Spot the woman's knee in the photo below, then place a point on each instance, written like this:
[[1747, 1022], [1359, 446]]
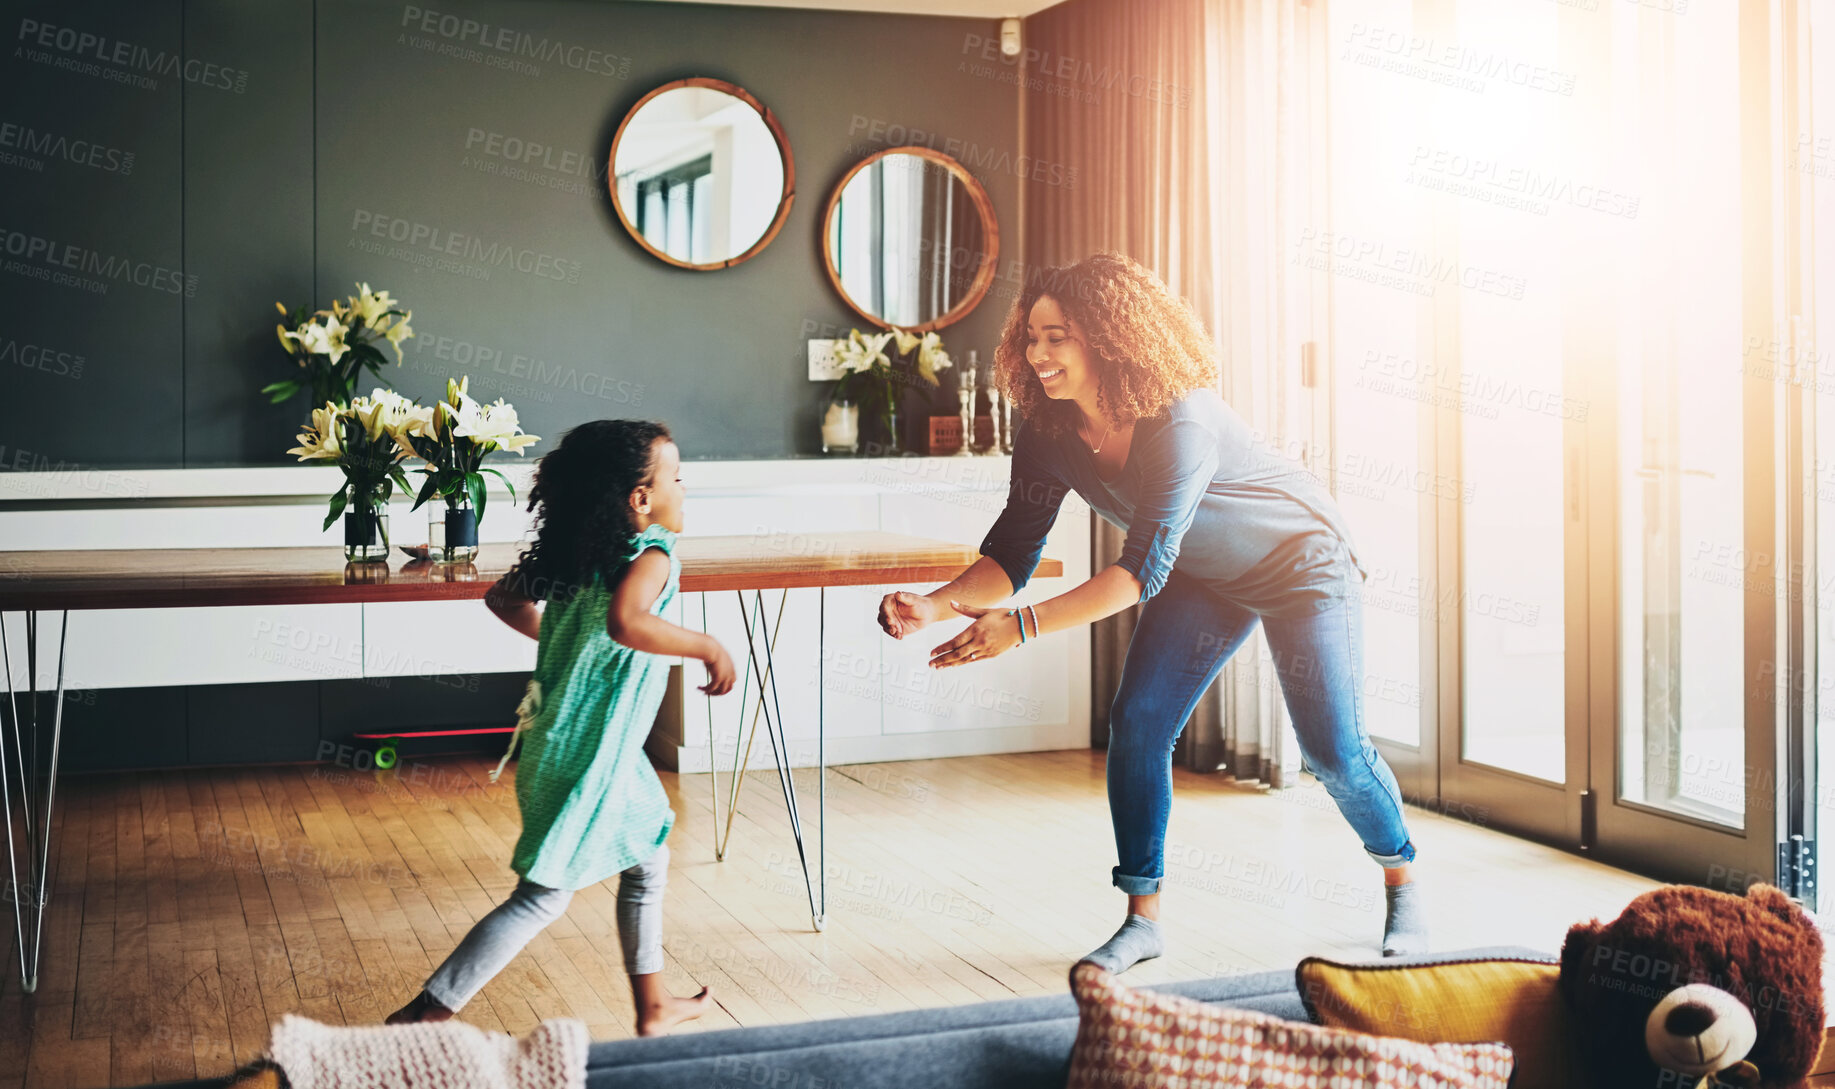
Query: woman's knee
[[1141, 724], [1343, 766]]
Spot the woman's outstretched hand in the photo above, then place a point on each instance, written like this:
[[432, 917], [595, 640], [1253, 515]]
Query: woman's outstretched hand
[[995, 631], [904, 612]]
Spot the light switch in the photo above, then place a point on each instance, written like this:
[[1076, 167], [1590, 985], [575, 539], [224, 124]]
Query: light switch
[[824, 366]]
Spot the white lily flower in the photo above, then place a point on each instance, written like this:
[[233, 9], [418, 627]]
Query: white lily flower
[[321, 440], [858, 353], [906, 340], [370, 307], [323, 339], [931, 357], [495, 423], [397, 332], [417, 420]]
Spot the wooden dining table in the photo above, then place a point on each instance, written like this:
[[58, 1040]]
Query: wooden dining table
[[56, 581]]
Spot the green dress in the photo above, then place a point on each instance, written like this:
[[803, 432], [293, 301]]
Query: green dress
[[591, 803]]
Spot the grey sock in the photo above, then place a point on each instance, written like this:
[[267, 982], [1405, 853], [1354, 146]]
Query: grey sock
[[1138, 939], [1405, 926]]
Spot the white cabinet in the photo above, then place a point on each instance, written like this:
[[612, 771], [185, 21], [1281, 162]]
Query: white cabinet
[[151, 648], [433, 638], [879, 698]]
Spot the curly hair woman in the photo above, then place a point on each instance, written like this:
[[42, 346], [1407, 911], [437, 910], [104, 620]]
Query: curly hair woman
[[608, 505], [1117, 381]]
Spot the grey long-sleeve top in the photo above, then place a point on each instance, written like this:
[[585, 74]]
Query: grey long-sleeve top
[[1198, 494]]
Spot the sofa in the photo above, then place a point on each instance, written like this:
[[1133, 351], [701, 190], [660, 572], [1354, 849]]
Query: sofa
[[1019, 1043]]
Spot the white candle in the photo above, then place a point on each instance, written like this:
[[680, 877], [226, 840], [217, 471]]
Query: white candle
[[841, 425]]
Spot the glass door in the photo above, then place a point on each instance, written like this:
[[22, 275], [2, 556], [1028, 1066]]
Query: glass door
[[1543, 290], [1508, 549], [1377, 438], [1808, 357], [1697, 475]]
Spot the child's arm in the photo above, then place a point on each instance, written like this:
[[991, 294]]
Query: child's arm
[[514, 608], [629, 621]]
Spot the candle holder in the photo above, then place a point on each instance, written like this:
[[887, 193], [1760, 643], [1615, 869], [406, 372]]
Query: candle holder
[[841, 427], [965, 404]]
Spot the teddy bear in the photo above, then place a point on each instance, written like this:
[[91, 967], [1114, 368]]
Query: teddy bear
[[1691, 988]]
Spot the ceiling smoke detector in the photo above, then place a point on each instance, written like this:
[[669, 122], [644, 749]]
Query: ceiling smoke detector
[[1009, 37]]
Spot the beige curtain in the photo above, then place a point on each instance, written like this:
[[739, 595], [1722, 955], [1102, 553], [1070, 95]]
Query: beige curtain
[[1187, 125]]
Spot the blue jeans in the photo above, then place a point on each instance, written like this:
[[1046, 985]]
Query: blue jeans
[[1185, 635]]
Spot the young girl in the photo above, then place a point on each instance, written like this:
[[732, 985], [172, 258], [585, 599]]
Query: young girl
[[610, 504]]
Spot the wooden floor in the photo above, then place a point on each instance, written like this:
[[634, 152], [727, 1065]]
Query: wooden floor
[[191, 909]]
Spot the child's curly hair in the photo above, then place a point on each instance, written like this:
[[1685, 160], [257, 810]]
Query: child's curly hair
[[1148, 345], [584, 524]]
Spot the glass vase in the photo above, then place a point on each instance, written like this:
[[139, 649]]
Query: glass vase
[[366, 527], [894, 444], [452, 531], [841, 427]]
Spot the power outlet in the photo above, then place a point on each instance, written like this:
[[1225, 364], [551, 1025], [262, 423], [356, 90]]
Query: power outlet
[[824, 365]]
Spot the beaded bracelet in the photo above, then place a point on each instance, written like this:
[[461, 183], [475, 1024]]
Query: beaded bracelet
[[1035, 621]]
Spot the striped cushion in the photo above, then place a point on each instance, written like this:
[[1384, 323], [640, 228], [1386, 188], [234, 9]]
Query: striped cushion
[[1129, 1039], [1510, 999]]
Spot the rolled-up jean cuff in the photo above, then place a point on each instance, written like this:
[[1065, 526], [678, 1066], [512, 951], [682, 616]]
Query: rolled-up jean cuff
[[647, 963], [1390, 862], [1135, 886]]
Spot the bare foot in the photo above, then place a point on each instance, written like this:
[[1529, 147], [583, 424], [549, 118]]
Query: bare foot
[[420, 1009], [656, 1018]]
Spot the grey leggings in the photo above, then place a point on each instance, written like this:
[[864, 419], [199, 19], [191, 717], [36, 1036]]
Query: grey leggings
[[499, 936]]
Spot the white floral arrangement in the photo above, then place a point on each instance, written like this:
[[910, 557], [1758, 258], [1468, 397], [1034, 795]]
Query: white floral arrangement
[[333, 347], [870, 376], [367, 439], [453, 436]]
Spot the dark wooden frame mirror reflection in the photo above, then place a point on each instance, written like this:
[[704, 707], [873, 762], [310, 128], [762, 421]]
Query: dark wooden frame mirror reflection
[[983, 277], [785, 198]]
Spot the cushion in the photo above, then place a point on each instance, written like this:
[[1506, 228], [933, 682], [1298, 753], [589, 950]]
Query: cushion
[[1128, 1038], [1467, 1001]]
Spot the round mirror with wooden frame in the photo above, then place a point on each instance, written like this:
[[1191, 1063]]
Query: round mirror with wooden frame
[[701, 174], [910, 239]]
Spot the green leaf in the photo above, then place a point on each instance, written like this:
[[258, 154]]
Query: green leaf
[[474, 484], [506, 482], [337, 508], [427, 491]]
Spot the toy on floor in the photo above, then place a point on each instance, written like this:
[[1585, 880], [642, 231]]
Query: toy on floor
[[1693, 988]]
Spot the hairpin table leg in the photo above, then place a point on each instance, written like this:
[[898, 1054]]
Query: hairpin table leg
[[760, 657], [742, 755], [37, 792]]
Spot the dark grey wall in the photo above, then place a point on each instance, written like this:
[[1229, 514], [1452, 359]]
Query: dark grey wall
[[177, 166]]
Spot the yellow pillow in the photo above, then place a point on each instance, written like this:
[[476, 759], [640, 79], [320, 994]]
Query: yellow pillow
[[1517, 1002]]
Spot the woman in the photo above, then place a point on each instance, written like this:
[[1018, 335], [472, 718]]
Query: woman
[[1117, 382]]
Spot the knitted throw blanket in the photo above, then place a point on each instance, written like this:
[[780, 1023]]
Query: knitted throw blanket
[[444, 1055]]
